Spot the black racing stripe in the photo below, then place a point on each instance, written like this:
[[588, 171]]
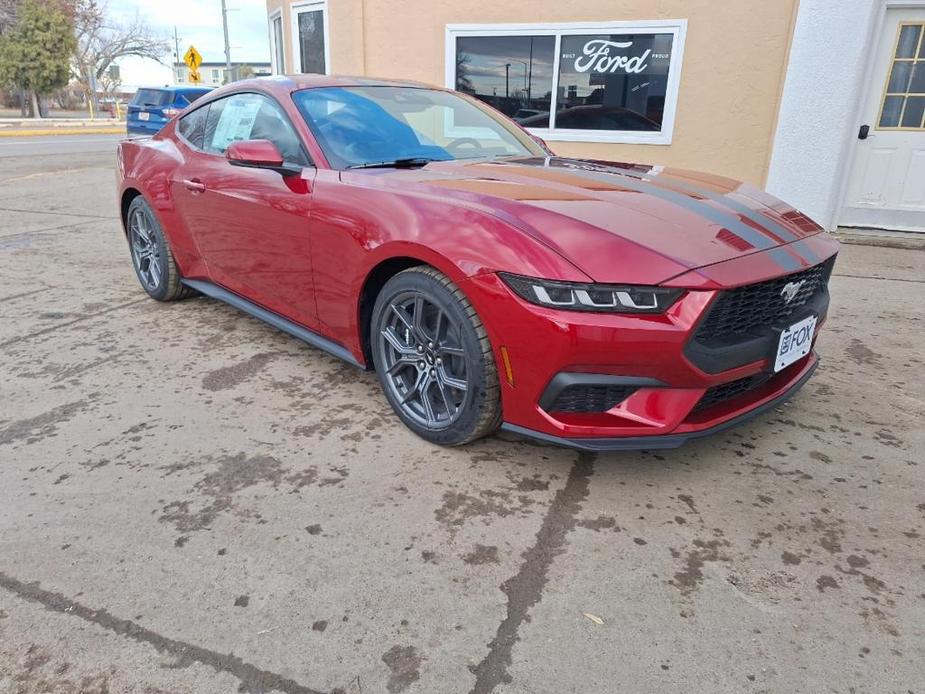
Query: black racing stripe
[[758, 240], [785, 235], [765, 221]]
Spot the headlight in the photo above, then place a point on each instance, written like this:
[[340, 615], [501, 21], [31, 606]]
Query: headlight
[[598, 298]]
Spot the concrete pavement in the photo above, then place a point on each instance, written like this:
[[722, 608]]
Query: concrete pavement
[[51, 148], [31, 127], [191, 501]]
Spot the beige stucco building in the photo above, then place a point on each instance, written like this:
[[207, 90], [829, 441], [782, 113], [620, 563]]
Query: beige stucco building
[[759, 90]]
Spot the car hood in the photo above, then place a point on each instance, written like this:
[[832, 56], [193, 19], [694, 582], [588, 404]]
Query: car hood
[[621, 222]]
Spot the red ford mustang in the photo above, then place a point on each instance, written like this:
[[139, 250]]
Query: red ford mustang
[[417, 232]]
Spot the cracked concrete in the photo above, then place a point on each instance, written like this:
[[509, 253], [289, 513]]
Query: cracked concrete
[[191, 501]]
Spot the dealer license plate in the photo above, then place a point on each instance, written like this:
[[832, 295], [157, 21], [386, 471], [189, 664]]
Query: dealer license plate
[[144, 115], [795, 343]]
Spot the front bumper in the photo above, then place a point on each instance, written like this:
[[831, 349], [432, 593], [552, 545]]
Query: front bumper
[[670, 397], [675, 440]]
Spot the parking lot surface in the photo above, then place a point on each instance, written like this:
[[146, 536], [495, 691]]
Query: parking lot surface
[[191, 501]]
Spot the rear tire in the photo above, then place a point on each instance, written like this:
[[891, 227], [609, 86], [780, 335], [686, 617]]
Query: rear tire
[[433, 358], [152, 258]]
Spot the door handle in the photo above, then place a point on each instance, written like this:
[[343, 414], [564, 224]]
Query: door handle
[[195, 185]]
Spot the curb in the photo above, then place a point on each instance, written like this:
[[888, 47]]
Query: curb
[[41, 132], [904, 241]]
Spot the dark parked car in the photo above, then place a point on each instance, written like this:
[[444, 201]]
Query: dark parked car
[[151, 108]]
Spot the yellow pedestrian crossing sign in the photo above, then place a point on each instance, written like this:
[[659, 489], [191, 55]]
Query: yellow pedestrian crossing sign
[[192, 59]]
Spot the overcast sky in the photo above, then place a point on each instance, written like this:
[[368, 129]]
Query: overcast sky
[[198, 22]]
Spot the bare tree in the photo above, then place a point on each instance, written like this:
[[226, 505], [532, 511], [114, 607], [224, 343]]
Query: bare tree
[[100, 42]]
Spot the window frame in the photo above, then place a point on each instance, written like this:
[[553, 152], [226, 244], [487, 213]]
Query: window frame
[[915, 59], [276, 52], [297, 8], [676, 27], [208, 105]]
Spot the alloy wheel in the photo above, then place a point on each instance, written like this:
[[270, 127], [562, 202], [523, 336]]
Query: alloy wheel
[[424, 361], [145, 251]]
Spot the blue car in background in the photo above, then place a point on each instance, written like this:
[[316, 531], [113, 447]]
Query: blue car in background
[[152, 107]]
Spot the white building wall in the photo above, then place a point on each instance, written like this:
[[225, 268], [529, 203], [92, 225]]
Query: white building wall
[[818, 121]]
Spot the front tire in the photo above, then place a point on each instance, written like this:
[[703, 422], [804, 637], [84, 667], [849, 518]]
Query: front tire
[[433, 358], [152, 258]]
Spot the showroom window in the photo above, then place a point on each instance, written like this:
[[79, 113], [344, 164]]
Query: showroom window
[[583, 82]]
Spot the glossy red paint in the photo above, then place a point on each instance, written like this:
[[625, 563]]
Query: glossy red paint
[[254, 153], [304, 246]]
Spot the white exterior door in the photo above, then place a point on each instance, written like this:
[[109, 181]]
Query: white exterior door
[[886, 187]]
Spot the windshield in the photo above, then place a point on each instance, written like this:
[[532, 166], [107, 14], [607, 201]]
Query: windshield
[[358, 126]]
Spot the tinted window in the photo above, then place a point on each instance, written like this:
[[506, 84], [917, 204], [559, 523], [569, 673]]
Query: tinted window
[[151, 97], [363, 125], [512, 73], [311, 40], [192, 94], [192, 126], [251, 117]]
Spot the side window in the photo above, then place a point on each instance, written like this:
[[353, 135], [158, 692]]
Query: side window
[[251, 117], [192, 126]]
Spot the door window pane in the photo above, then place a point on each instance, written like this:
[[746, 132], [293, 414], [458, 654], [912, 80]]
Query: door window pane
[[311, 41], [511, 73], [912, 114], [917, 84], [892, 107], [251, 117], [899, 77], [616, 78], [908, 40]]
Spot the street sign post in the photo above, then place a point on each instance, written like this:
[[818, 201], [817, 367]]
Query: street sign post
[[193, 60]]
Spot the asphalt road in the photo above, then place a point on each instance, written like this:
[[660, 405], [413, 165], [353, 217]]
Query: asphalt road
[[193, 502]]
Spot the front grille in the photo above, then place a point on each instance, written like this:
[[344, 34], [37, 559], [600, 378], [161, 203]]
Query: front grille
[[590, 398], [752, 309], [727, 391]]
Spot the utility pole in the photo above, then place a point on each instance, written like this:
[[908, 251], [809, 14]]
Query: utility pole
[[176, 63], [227, 45]]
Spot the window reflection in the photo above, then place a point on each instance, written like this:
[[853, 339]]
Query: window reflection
[[613, 82], [511, 73]]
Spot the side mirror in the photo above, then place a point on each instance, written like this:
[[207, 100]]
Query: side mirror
[[259, 154]]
